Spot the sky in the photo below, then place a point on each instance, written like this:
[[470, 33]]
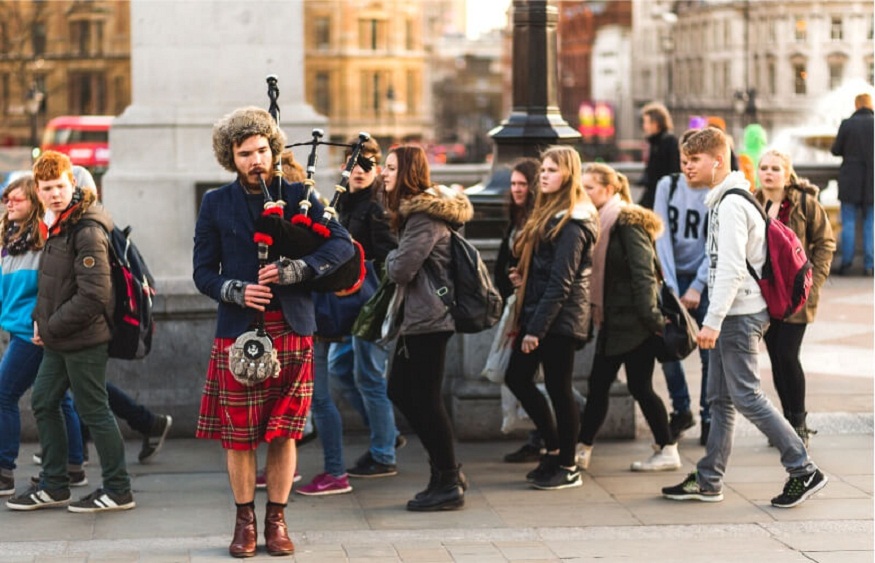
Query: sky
[[484, 15]]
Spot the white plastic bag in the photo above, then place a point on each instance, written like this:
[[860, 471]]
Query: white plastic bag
[[502, 345], [513, 414]]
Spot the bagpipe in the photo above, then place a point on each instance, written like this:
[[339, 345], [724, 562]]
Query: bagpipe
[[302, 234]]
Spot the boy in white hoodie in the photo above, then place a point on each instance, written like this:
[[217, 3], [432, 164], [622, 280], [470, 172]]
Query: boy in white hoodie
[[732, 330]]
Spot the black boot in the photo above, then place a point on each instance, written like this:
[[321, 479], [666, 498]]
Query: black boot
[[445, 492], [433, 481]]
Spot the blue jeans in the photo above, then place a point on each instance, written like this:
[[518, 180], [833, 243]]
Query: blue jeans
[[849, 212], [325, 413], [83, 371], [17, 373], [734, 384], [358, 368], [675, 377]]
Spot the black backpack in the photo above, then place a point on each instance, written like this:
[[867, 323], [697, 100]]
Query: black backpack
[[473, 301], [134, 287]]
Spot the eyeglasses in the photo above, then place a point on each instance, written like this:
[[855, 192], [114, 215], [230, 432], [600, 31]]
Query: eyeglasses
[[14, 200]]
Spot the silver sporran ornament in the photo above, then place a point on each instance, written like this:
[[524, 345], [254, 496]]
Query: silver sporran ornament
[[252, 358]]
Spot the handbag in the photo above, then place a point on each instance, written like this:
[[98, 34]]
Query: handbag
[[369, 322], [502, 344], [679, 333], [336, 312]]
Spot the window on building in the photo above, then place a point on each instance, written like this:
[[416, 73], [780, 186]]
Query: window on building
[[835, 29], [322, 32], [772, 79], [98, 37], [4, 93], [773, 34], [376, 106], [800, 75], [322, 93], [80, 37], [38, 38], [412, 88], [372, 34], [870, 70], [836, 74], [801, 29], [409, 35], [87, 93]]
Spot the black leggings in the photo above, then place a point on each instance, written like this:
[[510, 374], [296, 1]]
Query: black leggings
[[414, 386], [783, 341], [556, 353], [639, 378]]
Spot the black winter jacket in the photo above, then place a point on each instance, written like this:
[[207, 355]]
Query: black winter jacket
[[557, 287], [854, 143], [663, 159], [367, 222]]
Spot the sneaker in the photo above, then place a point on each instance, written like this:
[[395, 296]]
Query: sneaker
[[546, 467], [400, 441], [102, 500], [153, 441], [38, 457], [704, 431], [77, 479], [689, 489], [582, 455], [665, 458], [325, 484], [7, 485], [798, 489], [561, 478], [35, 498], [678, 422], [261, 479], [367, 467], [526, 454]]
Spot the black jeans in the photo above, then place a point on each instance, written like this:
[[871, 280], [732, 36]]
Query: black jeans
[[783, 341], [556, 353], [639, 378], [415, 385]]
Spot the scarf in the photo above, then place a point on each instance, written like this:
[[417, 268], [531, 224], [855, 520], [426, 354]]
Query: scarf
[[15, 243], [607, 217]]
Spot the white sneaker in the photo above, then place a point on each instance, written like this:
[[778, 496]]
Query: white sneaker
[[582, 455], [663, 459]]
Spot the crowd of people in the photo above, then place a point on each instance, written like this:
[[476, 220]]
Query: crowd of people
[[583, 262]]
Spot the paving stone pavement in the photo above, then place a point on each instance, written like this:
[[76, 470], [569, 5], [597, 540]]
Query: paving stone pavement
[[185, 510]]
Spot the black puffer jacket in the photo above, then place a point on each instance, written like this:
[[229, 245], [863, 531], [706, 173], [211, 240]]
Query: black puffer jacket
[[75, 295], [367, 222], [557, 287]]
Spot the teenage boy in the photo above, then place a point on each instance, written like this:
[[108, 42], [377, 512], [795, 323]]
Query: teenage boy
[[74, 301], [681, 250], [732, 330]]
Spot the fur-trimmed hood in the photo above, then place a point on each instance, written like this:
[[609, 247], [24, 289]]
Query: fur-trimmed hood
[[439, 202], [647, 219]]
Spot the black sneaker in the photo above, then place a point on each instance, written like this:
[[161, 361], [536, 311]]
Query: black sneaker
[[35, 498], [798, 489], [526, 454], [102, 500], [77, 479], [689, 489], [546, 467], [155, 439], [561, 478], [678, 422], [367, 467], [7, 485]]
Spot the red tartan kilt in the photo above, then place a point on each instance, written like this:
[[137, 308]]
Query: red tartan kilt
[[242, 417]]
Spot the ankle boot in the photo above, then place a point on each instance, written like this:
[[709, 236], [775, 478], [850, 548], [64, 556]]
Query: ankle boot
[[245, 532], [434, 477], [447, 493], [276, 533]]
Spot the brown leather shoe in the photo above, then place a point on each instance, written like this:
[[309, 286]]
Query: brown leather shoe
[[245, 533], [276, 534]]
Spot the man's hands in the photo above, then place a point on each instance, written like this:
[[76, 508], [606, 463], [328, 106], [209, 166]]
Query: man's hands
[[529, 344], [257, 296], [691, 299], [707, 338]]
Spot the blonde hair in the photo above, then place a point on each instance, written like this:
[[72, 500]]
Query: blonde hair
[[658, 114], [863, 101], [547, 206], [607, 176]]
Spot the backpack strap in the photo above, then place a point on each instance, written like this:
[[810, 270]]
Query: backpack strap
[[749, 197], [674, 185]]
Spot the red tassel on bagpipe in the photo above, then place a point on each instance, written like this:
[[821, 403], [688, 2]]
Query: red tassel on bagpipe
[[263, 238]]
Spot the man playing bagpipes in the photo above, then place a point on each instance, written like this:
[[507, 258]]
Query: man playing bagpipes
[[259, 380]]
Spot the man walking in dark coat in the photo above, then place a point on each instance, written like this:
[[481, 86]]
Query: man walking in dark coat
[[854, 143]]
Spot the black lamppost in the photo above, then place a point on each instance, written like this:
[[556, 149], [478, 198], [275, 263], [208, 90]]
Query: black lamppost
[[32, 105]]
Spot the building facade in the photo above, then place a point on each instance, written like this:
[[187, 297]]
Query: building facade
[[71, 57]]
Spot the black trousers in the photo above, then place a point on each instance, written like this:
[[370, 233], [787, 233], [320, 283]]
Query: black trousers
[[783, 341], [414, 386], [556, 354]]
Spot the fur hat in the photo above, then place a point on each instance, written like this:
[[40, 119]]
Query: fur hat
[[238, 126]]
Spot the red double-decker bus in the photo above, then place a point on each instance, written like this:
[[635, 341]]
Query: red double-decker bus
[[84, 138]]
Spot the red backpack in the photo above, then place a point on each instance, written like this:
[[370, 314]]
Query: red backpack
[[787, 274]]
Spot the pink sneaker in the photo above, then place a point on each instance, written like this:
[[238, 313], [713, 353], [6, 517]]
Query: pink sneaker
[[325, 484], [261, 480]]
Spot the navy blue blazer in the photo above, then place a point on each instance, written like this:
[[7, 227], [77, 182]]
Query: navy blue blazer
[[224, 249]]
